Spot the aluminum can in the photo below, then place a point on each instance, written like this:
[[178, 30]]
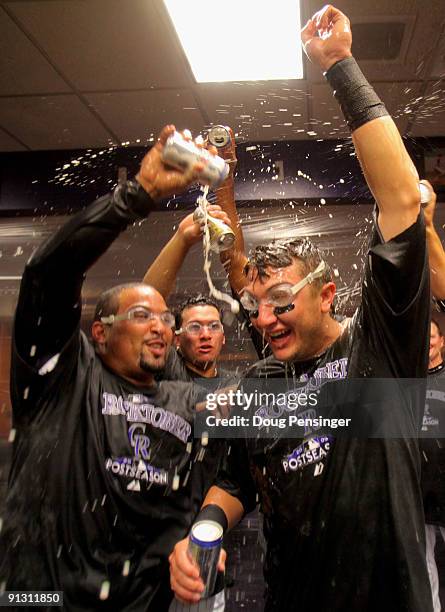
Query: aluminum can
[[425, 194], [221, 236], [219, 136], [183, 154], [205, 543]]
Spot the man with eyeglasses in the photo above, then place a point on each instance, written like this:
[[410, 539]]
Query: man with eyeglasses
[[199, 341], [102, 480], [343, 516]]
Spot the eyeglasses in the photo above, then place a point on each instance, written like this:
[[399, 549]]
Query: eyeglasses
[[141, 315], [194, 328], [280, 297]]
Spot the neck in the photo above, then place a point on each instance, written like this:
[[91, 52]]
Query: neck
[[208, 372], [435, 362], [332, 330]]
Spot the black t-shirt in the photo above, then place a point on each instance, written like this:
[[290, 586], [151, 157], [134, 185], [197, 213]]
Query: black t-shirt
[[106, 469], [343, 516], [176, 369], [432, 446], [102, 480]]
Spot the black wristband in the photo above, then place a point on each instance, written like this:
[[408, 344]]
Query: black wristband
[[212, 512], [356, 97], [136, 198]]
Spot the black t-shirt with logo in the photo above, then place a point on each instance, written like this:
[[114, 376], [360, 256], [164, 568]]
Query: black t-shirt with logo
[[343, 516], [102, 482], [432, 446], [100, 485]]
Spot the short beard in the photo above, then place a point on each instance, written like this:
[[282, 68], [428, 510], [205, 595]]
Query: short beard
[[152, 367]]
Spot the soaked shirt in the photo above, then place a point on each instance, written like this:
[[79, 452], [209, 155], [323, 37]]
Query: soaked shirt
[[432, 446], [343, 515], [101, 484]]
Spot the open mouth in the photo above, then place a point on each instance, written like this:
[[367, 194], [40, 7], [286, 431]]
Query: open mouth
[[157, 347], [279, 339], [205, 349]]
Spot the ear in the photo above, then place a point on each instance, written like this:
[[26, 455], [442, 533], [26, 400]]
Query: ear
[[327, 296], [99, 335], [176, 339]]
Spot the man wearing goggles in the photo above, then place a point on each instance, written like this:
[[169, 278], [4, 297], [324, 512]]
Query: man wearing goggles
[[199, 340], [102, 480], [343, 516]]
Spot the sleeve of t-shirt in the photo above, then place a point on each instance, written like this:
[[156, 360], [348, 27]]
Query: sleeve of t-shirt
[[396, 301], [46, 335], [234, 475]]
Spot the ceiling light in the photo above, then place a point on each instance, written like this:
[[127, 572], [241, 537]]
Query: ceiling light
[[239, 40]]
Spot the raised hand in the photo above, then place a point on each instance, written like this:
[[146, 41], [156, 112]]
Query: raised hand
[[160, 180], [327, 37]]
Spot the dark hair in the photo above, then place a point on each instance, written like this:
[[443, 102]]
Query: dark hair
[[438, 326], [108, 302], [190, 302], [283, 253]]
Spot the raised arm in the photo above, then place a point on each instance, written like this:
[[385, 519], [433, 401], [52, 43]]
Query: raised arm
[[49, 304], [435, 249], [164, 270], [388, 169], [234, 259]]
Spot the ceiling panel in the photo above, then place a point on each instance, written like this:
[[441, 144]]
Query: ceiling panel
[[23, 69], [257, 111], [125, 58], [422, 33], [9, 144], [140, 115], [105, 44], [52, 122]]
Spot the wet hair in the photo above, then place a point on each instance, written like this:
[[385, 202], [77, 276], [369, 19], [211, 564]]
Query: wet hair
[[191, 302], [108, 302], [439, 331], [283, 253]]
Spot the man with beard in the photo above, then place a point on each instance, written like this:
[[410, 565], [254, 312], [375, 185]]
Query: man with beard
[[99, 488], [343, 515]]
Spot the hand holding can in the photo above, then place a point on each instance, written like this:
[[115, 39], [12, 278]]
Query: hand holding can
[[204, 548], [183, 154]]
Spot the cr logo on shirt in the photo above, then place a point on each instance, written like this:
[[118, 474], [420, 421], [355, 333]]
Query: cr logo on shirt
[[139, 441]]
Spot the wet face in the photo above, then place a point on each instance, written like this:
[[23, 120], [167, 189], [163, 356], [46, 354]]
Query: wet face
[[300, 333], [436, 345], [135, 348], [201, 349]]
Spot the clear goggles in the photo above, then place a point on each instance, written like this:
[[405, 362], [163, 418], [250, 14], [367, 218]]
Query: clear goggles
[[194, 328], [142, 315], [280, 297]]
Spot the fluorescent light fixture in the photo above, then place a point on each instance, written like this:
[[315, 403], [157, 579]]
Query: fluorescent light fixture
[[239, 40]]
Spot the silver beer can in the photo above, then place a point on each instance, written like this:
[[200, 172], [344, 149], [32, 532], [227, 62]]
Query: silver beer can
[[205, 543], [183, 154], [221, 236], [219, 136]]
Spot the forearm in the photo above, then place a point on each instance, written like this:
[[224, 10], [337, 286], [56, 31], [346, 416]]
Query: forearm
[[437, 263], [50, 295], [164, 270], [388, 169], [233, 259], [232, 507]]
